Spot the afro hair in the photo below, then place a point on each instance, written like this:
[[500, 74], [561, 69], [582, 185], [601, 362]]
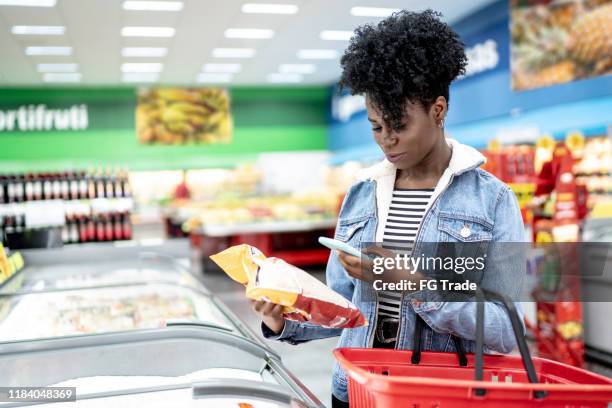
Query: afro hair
[[409, 56]]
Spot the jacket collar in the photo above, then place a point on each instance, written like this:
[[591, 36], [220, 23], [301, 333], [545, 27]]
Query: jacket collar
[[463, 158]]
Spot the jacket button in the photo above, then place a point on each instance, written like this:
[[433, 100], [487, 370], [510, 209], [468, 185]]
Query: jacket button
[[465, 232]]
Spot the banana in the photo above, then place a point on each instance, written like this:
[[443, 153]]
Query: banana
[[180, 127], [173, 115]]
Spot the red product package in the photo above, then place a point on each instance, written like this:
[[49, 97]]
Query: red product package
[[306, 299]]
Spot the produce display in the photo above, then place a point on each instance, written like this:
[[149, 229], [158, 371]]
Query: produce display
[[560, 41], [179, 116], [318, 206], [594, 170]]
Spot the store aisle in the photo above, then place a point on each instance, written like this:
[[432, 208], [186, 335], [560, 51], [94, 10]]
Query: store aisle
[[311, 362]]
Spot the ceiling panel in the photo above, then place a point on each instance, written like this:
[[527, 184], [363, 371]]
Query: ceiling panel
[[93, 29]]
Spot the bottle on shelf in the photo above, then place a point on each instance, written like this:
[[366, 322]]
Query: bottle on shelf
[[65, 187], [37, 186], [57, 186], [29, 187], [47, 183], [2, 195]]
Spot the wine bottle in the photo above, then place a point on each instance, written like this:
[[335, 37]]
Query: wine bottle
[[100, 184], [19, 189], [65, 185], [57, 186], [127, 226], [2, 194], [38, 187], [29, 187], [47, 187]]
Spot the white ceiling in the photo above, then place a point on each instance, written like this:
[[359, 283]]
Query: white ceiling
[[93, 29]]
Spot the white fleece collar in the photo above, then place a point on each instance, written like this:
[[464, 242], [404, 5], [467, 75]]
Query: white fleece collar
[[463, 158]]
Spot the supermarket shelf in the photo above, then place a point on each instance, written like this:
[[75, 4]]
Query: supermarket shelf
[[223, 230]]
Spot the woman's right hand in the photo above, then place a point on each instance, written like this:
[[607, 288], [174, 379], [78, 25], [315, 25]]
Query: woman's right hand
[[270, 313]]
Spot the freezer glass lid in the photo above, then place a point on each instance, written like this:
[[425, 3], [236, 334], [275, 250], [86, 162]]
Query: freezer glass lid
[[143, 268], [105, 309]]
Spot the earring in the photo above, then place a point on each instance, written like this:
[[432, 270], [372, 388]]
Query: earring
[[441, 125]]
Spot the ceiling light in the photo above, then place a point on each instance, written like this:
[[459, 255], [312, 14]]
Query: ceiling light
[[28, 3], [142, 67], [214, 78], [233, 53], [138, 77], [317, 54], [38, 30], [64, 77], [144, 52], [373, 11], [57, 67], [226, 68], [257, 8], [147, 31], [284, 78], [153, 5], [58, 51], [335, 35], [297, 68], [249, 33]]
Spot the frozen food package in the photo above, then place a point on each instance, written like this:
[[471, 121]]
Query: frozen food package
[[306, 299]]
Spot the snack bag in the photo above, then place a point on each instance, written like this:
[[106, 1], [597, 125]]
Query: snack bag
[[305, 298]]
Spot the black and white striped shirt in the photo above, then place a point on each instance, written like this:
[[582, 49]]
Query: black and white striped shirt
[[403, 221]]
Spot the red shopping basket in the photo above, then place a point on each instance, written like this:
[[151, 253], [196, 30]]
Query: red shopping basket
[[382, 378]]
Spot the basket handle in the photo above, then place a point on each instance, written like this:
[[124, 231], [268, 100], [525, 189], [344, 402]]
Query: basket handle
[[517, 328], [418, 332]]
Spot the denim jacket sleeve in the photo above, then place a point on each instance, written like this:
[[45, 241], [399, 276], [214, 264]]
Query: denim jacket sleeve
[[295, 332], [504, 274]]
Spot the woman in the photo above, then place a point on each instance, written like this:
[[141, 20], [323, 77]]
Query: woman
[[428, 189]]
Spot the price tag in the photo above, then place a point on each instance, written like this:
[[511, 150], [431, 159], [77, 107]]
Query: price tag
[[5, 270], [18, 262]]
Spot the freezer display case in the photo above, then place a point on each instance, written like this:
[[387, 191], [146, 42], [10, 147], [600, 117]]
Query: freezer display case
[[186, 365], [132, 327], [144, 290]]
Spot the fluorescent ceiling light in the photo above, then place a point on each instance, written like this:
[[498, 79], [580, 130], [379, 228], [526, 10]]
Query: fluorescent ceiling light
[[147, 31], [335, 35], [38, 30], [214, 78], [284, 78], [153, 5], [64, 77], [138, 77], [57, 68], [373, 11], [28, 3], [258, 8], [297, 68], [142, 67], [57, 51], [249, 33], [225, 68], [233, 53], [317, 54], [144, 52]]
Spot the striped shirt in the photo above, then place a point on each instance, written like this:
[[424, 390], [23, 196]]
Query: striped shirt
[[403, 221]]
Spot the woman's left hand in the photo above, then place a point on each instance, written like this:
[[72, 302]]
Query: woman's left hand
[[362, 267]]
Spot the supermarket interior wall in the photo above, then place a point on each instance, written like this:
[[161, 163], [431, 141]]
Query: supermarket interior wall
[[265, 120], [483, 105]]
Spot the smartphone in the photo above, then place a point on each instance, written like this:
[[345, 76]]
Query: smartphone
[[339, 245]]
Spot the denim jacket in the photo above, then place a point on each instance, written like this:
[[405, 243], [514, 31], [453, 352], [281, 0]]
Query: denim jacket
[[465, 196]]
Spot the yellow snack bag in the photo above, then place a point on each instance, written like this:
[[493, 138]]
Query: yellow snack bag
[[305, 298]]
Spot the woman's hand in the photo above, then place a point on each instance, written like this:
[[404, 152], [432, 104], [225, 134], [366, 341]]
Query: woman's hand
[[361, 267], [270, 313]]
